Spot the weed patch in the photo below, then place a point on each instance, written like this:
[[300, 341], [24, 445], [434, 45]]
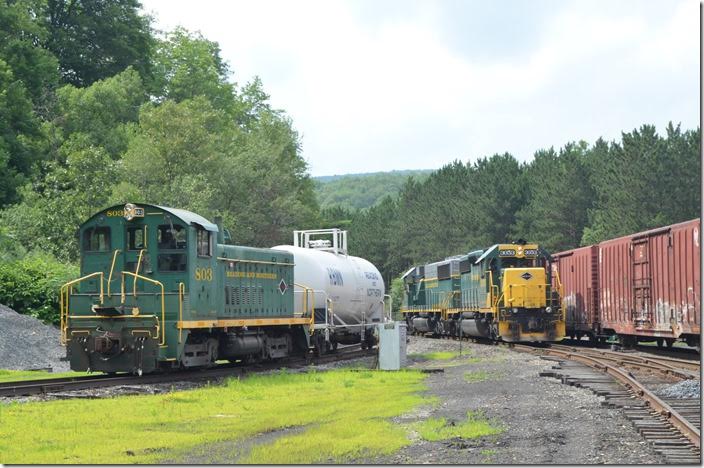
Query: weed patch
[[346, 414], [440, 429]]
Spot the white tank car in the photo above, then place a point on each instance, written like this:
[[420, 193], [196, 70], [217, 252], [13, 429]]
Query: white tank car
[[353, 285]]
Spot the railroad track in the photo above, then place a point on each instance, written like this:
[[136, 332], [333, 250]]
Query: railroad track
[[672, 426], [673, 352], [678, 368], [60, 385]]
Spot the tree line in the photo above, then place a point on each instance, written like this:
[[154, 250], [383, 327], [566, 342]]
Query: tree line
[[576, 195], [97, 108], [359, 191]]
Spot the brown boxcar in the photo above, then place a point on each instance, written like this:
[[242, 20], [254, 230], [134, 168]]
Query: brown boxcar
[[649, 284], [578, 271]]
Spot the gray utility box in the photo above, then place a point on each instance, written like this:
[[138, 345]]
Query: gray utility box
[[392, 345]]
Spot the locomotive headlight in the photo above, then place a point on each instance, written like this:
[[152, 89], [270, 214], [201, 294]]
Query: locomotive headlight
[[548, 310], [514, 310]]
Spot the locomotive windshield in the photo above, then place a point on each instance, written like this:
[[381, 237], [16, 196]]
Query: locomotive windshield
[[135, 238], [171, 237], [517, 262], [96, 239]]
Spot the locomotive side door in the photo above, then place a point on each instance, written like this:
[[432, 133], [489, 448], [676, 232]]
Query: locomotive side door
[[135, 253], [204, 300]]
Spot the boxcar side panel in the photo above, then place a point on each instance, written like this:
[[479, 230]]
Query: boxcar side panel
[[649, 282]]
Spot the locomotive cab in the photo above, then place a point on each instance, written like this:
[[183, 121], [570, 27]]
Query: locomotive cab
[[141, 267], [527, 306]]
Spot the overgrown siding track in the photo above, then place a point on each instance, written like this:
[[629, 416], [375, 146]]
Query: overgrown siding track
[[671, 425], [47, 386]]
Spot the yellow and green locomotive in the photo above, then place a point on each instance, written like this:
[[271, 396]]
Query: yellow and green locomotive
[[502, 293], [160, 288]]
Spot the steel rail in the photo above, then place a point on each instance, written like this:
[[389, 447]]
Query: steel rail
[[44, 386], [686, 428], [653, 363]]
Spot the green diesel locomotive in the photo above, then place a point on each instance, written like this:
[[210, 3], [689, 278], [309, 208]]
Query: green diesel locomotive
[[504, 292]]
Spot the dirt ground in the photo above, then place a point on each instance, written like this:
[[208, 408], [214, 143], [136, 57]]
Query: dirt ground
[[544, 421]]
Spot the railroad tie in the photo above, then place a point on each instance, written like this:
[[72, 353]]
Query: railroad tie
[[653, 427]]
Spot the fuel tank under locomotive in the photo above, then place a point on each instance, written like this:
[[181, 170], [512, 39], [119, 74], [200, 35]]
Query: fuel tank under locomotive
[[475, 326], [353, 285]]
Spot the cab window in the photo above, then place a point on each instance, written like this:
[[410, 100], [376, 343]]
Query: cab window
[[512, 262], [171, 262], [96, 239], [171, 237], [135, 238], [203, 241]]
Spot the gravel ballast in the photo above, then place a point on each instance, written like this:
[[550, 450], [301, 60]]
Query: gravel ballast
[[543, 420], [684, 389], [28, 343]]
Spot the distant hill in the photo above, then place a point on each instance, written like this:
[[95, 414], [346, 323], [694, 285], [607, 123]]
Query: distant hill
[[357, 191]]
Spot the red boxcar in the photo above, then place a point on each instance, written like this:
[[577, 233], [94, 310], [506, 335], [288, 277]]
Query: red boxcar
[[649, 283], [642, 286], [578, 271]]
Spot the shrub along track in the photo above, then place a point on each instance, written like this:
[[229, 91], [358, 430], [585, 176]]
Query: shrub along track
[[672, 426], [48, 386]]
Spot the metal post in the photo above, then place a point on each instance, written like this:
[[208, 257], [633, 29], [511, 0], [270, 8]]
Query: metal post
[[460, 337]]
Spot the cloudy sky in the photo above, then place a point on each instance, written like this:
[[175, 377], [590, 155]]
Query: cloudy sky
[[413, 84]]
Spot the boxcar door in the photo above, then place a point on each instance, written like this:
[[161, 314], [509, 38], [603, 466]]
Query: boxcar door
[[640, 259]]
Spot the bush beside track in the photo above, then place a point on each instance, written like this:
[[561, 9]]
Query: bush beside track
[[31, 285]]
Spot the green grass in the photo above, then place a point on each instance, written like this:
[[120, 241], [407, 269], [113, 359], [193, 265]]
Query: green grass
[[343, 413], [476, 425], [17, 375], [476, 376]]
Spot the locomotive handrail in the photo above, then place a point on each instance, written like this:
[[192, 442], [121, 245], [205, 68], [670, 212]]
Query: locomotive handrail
[[136, 270], [160, 326], [112, 267], [181, 292], [64, 303], [306, 289]]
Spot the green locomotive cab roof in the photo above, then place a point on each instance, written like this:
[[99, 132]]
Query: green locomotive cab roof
[[185, 216]]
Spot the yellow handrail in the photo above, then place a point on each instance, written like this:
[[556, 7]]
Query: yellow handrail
[[181, 291], [64, 303], [160, 327], [112, 267], [306, 290], [139, 264]]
